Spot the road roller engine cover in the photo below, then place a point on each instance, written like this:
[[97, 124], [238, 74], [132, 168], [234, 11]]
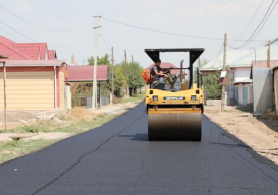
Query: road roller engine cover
[[174, 106]]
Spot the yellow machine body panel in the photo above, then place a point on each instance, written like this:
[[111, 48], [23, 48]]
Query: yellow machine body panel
[[164, 97]]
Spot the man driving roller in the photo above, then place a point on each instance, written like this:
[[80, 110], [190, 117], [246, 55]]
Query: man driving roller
[[157, 73]]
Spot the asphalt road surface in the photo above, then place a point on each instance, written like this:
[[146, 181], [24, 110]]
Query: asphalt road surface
[[117, 158]]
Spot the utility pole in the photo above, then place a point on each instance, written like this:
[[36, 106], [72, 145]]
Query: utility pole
[[268, 55], [112, 75], [132, 58], [126, 75], [95, 64], [199, 63], [5, 97], [224, 94]]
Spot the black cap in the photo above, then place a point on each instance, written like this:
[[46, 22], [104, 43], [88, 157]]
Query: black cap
[[158, 60]]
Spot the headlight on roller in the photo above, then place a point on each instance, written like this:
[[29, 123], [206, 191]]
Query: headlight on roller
[[155, 98], [193, 98]]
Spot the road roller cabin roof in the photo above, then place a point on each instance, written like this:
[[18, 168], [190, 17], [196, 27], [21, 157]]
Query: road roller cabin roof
[[194, 52]]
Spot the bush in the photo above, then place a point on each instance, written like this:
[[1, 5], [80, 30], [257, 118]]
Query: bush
[[29, 129]]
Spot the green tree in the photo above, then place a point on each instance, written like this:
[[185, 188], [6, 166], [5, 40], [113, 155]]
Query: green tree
[[134, 75], [211, 86], [119, 80], [135, 80], [104, 60]]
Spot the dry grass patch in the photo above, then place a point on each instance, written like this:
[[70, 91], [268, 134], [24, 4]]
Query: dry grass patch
[[79, 114]]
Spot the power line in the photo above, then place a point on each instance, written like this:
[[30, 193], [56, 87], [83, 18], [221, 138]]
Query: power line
[[250, 22], [37, 25], [266, 19], [18, 32], [222, 47], [169, 33], [38, 41], [251, 38], [57, 15], [106, 34], [10, 34]]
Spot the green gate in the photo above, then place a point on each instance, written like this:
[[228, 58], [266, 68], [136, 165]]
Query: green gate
[[236, 95], [245, 95]]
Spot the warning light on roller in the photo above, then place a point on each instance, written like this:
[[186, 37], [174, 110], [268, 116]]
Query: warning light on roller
[[193, 98], [155, 98]]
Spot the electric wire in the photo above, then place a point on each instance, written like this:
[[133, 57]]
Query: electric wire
[[250, 22], [84, 21], [38, 41], [216, 59], [106, 34], [169, 33], [56, 31], [255, 33], [10, 34], [267, 18]]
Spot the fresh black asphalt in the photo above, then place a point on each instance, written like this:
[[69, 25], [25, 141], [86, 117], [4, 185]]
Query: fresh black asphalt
[[117, 158]]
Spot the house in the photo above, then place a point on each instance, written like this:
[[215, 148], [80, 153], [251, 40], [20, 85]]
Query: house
[[33, 85], [82, 73], [239, 63], [34, 76]]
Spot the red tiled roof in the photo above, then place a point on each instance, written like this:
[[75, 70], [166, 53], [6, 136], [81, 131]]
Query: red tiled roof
[[35, 49], [85, 73], [166, 65], [52, 55], [26, 51], [13, 53], [6, 40], [43, 50], [3, 57], [31, 50]]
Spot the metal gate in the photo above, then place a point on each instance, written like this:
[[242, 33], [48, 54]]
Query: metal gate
[[245, 95], [236, 95]]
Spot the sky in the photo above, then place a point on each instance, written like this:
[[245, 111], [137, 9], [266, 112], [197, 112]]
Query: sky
[[68, 26]]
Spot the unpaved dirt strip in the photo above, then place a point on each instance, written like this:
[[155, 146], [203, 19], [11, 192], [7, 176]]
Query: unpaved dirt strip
[[260, 134]]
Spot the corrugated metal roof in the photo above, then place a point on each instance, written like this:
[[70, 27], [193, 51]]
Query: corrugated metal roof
[[261, 55], [86, 73], [244, 81], [217, 63]]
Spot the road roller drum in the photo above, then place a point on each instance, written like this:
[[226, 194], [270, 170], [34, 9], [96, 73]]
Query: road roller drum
[[177, 126]]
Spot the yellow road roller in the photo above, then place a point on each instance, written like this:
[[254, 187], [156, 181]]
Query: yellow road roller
[[175, 105]]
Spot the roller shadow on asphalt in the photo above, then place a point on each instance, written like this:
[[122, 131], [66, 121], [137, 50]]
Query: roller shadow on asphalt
[[137, 137]]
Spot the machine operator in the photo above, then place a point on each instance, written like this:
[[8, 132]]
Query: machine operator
[[157, 73]]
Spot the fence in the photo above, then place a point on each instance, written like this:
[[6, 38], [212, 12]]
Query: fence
[[86, 101]]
